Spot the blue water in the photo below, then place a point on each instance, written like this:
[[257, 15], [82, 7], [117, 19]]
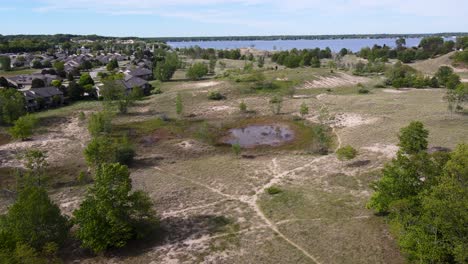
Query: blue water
[[334, 44]]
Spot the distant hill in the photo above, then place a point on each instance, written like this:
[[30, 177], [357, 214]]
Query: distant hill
[[430, 66]]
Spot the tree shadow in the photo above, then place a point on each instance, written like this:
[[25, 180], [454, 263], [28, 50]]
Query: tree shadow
[[170, 231]]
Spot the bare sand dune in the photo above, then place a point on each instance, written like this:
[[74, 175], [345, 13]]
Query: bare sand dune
[[338, 80]]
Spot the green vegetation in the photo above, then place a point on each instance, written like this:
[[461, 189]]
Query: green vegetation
[[304, 109], [243, 107], [166, 67], [100, 123], [23, 127], [33, 229], [273, 190], [197, 71], [296, 58], [215, 95], [346, 153], [276, 103], [11, 105], [111, 213], [236, 149], [179, 105], [425, 198]]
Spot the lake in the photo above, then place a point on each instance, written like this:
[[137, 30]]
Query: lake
[[334, 44]]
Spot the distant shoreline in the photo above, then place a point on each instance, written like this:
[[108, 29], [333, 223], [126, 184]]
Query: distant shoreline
[[306, 37]]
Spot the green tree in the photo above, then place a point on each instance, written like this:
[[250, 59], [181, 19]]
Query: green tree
[[111, 213], [23, 127], [56, 83], [75, 91], [37, 83], [34, 220], [261, 61], [112, 65], [166, 68], [212, 65], [346, 153], [5, 63], [11, 105], [100, 123], [85, 79], [59, 66], [443, 74], [197, 71], [413, 138], [400, 43]]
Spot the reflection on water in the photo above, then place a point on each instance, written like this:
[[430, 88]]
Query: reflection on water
[[257, 135]]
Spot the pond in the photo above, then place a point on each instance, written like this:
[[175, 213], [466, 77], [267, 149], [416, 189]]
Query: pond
[[259, 135]]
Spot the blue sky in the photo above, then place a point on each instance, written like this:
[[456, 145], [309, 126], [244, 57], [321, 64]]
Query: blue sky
[[157, 18]]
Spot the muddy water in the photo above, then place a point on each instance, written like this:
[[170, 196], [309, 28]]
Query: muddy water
[[259, 135]]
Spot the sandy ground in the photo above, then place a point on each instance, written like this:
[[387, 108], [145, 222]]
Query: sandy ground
[[60, 141], [341, 79]]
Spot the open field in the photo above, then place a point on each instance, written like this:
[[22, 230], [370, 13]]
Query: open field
[[219, 208]]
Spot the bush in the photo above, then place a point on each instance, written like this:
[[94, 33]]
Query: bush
[[23, 127], [197, 71], [156, 90], [236, 149], [215, 95], [363, 91], [273, 190], [276, 104], [346, 153], [106, 150], [243, 107]]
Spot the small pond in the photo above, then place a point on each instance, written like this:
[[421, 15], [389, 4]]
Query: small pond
[[259, 135]]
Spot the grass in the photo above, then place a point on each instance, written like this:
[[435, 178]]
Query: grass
[[273, 190], [12, 73]]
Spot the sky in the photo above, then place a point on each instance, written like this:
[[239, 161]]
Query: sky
[[172, 18]]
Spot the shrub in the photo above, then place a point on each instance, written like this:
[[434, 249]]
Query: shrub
[[243, 107], [179, 105], [363, 91], [23, 127], [346, 153], [276, 104], [236, 149], [156, 90], [304, 110], [197, 71], [273, 190], [215, 95]]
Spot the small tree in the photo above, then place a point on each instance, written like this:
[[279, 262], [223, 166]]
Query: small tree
[[413, 138], [36, 165], [212, 65], [23, 127], [179, 105], [304, 110], [261, 62], [100, 123], [111, 213], [276, 104], [197, 71]]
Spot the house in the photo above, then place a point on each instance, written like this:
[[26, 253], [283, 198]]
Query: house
[[142, 73], [129, 82], [37, 98], [25, 81]]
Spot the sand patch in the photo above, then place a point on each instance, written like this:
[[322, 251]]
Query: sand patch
[[393, 91], [352, 120], [338, 80], [387, 150], [202, 84]]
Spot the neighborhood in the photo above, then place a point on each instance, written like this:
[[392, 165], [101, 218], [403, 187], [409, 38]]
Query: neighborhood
[[56, 75]]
